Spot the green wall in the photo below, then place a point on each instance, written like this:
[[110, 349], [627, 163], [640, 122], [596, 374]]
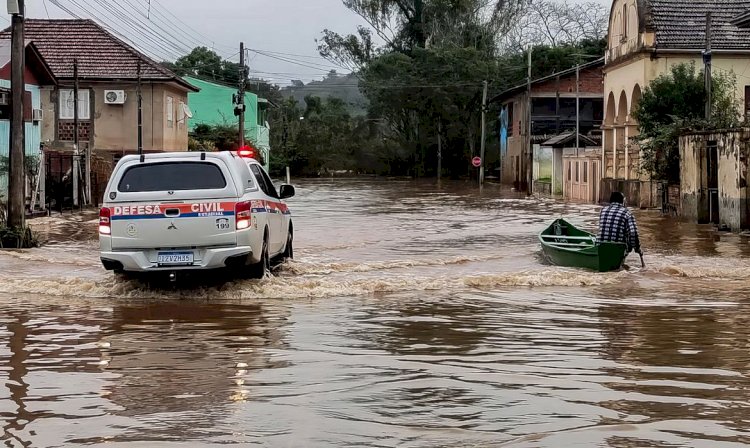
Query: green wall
[[213, 105]]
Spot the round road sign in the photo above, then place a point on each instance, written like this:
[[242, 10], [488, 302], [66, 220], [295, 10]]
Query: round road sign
[[476, 161]]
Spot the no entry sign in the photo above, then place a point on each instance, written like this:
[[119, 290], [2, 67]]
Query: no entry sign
[[476, 161]]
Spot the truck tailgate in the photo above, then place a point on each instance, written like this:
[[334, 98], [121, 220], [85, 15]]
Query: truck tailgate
[[164, 225]]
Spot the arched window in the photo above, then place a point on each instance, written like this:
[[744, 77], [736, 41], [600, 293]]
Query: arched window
[[632, 22], [616, 30]]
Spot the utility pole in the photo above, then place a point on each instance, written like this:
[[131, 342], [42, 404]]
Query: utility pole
[[578, 106], [140, 111], [16, 175], [440, 149], [76, 159], [241, 95], [707, 66], [86, 152], [529, 149], [484, 130]]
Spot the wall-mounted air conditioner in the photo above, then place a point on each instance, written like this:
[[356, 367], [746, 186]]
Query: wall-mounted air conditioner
[[114, 97]]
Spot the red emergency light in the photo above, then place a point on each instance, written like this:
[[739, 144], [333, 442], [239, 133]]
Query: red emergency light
[[247, 152]]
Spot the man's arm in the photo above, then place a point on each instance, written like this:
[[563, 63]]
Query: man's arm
[[634, 239]]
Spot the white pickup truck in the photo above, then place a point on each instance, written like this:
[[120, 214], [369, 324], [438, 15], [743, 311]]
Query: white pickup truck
[[190, 211]]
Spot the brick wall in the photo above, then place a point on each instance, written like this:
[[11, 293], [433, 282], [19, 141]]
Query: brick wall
[[591, 81], [66, 130]]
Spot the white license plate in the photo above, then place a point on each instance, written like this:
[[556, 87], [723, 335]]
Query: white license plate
[[174, 258]]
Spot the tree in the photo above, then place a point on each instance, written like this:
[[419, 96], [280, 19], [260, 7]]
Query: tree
[[558, 22], [206, 64], [673, 104]]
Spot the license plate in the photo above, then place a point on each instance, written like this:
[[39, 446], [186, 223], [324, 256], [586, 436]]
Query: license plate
[[174, 258]]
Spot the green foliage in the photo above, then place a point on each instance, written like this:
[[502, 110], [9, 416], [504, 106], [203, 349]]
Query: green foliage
[[344, 87], [206, 64], [220, 137], [425, 83], [14, 238], [673, 104], [324, 137]]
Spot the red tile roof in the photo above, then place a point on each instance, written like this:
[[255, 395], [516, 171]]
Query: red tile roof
[[101, 55]]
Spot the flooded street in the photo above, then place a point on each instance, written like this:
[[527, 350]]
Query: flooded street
[[413, 316]]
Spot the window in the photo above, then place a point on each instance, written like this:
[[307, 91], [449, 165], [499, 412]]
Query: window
[[264, 182], [578, 178], [172, 176], [625, 23], [181, 115], [67, 105], [632, 22], [747, 102], [570, 171], [511, 124], [585, 172], [170, 112]]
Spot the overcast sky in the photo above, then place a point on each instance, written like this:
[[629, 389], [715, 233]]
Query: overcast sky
[[282, 29]]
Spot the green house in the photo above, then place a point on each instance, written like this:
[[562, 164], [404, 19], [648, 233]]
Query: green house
[[213, 105]]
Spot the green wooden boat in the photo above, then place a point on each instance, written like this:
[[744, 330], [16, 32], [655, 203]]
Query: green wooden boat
[[564, 244]]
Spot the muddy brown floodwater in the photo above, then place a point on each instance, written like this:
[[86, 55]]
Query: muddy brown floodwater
[[413, 316]]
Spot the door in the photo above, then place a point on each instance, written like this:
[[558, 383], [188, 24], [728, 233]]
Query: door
[[595, 181], [276, 236], [713, 181]]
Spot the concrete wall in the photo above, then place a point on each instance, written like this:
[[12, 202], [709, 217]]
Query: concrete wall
[[733, 148], [514, 165], [693, 198]]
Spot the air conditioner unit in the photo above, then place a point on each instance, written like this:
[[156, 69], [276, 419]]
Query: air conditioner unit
[[114, 97], [4, 98], [37, 115]]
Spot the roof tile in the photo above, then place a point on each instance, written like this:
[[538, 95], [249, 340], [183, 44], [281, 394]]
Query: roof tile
[[681, 24], [100, 54]]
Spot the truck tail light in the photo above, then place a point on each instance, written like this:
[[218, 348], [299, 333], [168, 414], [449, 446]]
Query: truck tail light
[[242, 215], [105, 221]]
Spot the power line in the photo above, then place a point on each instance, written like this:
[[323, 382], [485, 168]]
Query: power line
[[132, 40], [157, 5], [139, 27], [292, 61]]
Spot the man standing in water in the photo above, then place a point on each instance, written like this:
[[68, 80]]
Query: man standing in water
[[617, 224]]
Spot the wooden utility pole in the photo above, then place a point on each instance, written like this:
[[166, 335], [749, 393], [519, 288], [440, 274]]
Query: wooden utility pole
[[578, 107], [484, 130], [529, 149], [140, 110], [440, 149], [707, 66], [76, 152], [241, 95], [16, 174]]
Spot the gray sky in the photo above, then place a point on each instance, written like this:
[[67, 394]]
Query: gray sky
[[282, 29]]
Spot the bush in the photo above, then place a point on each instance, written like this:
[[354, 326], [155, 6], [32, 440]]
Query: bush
[[15, 238]]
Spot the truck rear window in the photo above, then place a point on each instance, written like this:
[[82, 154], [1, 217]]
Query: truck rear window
[[172, 176]]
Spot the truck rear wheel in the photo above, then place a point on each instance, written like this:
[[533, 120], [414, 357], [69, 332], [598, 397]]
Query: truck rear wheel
[[263, 267]]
